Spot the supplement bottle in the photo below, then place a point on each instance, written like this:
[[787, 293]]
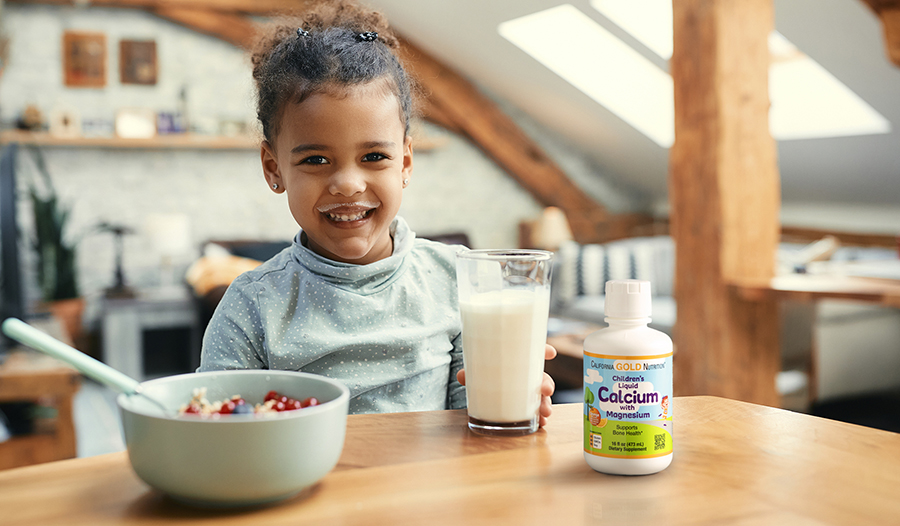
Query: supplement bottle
[[628, 387]]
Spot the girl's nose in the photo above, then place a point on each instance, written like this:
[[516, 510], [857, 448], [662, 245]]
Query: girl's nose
[[347, 182]]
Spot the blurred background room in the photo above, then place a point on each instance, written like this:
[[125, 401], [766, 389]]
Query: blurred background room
[[132, 192]]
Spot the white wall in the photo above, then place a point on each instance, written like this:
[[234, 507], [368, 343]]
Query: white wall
[[843, 217], [454, 187], [857, 349]]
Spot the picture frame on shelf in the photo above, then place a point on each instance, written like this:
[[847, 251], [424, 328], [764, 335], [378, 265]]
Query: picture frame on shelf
[[137, 62], [65, 123], [135, 123], [84, 59]]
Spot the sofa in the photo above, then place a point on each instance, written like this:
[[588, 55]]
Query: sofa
[[580, 273]]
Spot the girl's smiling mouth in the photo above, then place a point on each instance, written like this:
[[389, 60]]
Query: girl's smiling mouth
[[348, 212]]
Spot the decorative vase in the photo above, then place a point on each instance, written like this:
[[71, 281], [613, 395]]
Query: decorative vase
[[69, 313]]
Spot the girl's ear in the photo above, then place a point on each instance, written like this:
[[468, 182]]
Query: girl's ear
[[407, 159], [270, 167]]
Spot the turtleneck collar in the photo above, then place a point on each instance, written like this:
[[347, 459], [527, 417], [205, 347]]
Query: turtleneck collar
[[363, 279]]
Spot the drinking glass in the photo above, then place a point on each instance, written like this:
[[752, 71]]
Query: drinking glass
[[504, 301]]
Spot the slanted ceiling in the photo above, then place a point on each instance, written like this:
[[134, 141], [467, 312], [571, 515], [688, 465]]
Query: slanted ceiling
[[844, 36]]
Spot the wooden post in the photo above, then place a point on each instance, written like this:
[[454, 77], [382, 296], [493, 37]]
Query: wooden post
[[724, 196]]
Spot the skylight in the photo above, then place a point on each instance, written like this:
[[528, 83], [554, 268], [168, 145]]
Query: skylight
[[649, 21], [592, 59], [807, 101]]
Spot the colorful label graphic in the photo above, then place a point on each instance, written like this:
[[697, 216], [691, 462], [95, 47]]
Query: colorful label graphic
[[627, 411]]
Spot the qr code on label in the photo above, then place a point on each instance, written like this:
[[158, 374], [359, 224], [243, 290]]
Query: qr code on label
[[596, 441], [660, 442]]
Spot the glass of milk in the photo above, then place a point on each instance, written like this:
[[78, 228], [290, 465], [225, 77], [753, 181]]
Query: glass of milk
[[504, 301]]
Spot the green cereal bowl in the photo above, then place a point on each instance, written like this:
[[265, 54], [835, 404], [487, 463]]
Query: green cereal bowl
[[235, 460]]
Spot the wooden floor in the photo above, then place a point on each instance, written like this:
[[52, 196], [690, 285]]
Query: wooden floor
[[97, 423]]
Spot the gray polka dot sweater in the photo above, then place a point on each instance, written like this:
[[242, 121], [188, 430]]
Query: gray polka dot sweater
[[390, 330]]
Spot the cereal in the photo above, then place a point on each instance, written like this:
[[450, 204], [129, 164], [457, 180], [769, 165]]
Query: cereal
[[274, 402]]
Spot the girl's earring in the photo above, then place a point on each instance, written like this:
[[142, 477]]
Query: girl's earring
[[274, 186], [405, 182]]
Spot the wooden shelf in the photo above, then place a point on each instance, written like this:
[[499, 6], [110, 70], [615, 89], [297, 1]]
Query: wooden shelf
[[181, 141], [184, 141]]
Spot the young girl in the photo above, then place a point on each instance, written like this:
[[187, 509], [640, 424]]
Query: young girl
[[357, 297]]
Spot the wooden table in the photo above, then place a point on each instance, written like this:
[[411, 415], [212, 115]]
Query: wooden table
[[29, 376], [734, 463], [812, 287]]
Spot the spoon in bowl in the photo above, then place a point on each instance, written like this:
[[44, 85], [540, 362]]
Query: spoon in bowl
[[95, 369]]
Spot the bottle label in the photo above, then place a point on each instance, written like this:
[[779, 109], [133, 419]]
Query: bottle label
[[627, 405]]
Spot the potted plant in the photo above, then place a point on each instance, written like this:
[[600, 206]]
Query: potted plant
[[56, 263]]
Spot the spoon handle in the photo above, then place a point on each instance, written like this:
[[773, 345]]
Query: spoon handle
[[28, 335]]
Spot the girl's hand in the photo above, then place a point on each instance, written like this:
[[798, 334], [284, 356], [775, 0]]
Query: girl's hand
[[548, 386]]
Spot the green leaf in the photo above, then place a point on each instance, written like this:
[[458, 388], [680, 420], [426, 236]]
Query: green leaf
[[56, 262]]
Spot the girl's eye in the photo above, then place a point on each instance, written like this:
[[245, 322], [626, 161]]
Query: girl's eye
[[314, 159], [373, 157]]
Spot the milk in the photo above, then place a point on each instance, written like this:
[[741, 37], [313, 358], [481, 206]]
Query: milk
[[504, 335]]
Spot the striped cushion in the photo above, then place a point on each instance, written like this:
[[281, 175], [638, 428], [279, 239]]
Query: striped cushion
[[583, 270]]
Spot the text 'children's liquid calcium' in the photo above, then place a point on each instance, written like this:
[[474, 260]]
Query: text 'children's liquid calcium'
[[628, 387]]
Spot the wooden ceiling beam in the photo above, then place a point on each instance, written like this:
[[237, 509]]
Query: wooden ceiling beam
[[435, 114], [888, 12], [890, 22], [234, 28]]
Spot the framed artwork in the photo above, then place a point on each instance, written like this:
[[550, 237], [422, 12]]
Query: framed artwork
[[137, 62], [84, 59]]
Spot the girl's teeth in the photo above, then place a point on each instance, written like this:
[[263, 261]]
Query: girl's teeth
[[356, 217]]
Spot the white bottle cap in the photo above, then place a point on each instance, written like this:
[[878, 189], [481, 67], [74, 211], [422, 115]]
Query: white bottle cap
[[627, 298]]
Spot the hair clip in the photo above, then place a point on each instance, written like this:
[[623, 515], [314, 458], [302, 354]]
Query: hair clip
[[302, 32], [368, 36]]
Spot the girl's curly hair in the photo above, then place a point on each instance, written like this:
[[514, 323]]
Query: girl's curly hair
[[329, 47]]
